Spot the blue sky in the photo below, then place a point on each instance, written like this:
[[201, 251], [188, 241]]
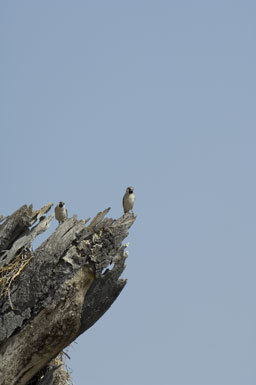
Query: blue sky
[[99, 95]]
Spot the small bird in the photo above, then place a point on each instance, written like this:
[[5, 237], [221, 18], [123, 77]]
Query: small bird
[[61, 212], [128, 200]]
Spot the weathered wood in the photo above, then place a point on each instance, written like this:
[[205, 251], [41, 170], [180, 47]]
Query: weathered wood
[[16, 227], [65, 287]]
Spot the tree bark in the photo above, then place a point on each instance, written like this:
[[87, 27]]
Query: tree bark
[[50, 296]]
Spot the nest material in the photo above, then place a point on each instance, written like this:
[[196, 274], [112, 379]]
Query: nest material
[[65, 288], [57, 372], [9, 272], [62, 374]]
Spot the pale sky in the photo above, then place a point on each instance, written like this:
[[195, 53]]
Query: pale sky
[[99, 95]]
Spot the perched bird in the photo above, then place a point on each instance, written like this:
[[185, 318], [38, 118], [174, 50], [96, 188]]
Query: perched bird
[[61, 212], [128, 200]]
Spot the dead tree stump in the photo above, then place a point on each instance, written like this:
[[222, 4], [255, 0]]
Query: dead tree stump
[[49, 296]]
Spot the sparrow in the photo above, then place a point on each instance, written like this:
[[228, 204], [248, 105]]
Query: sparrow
[[61, 212], [128, 200]]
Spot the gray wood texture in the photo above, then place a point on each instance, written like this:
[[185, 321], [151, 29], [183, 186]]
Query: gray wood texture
[[63, 288]]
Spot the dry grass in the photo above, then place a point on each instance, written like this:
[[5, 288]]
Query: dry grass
[[7, 275], [11, 271], [62, 375]]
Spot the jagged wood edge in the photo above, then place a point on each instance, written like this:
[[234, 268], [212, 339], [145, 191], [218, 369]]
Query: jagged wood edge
[[15, 232], [95, 303]]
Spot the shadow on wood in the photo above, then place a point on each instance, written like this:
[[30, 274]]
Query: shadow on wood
[[50, 296]]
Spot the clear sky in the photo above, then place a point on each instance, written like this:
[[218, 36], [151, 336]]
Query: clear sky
[[99, 95]]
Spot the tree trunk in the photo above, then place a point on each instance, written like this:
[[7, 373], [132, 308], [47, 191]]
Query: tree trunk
[[50, 296]]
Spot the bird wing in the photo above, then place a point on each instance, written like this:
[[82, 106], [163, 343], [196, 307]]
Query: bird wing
[[124, 199]]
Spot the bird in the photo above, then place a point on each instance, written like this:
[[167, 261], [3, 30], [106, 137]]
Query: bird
[[61, 213], [128, 200]]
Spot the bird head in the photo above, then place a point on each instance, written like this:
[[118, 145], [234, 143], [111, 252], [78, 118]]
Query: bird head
[[130, 190]]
